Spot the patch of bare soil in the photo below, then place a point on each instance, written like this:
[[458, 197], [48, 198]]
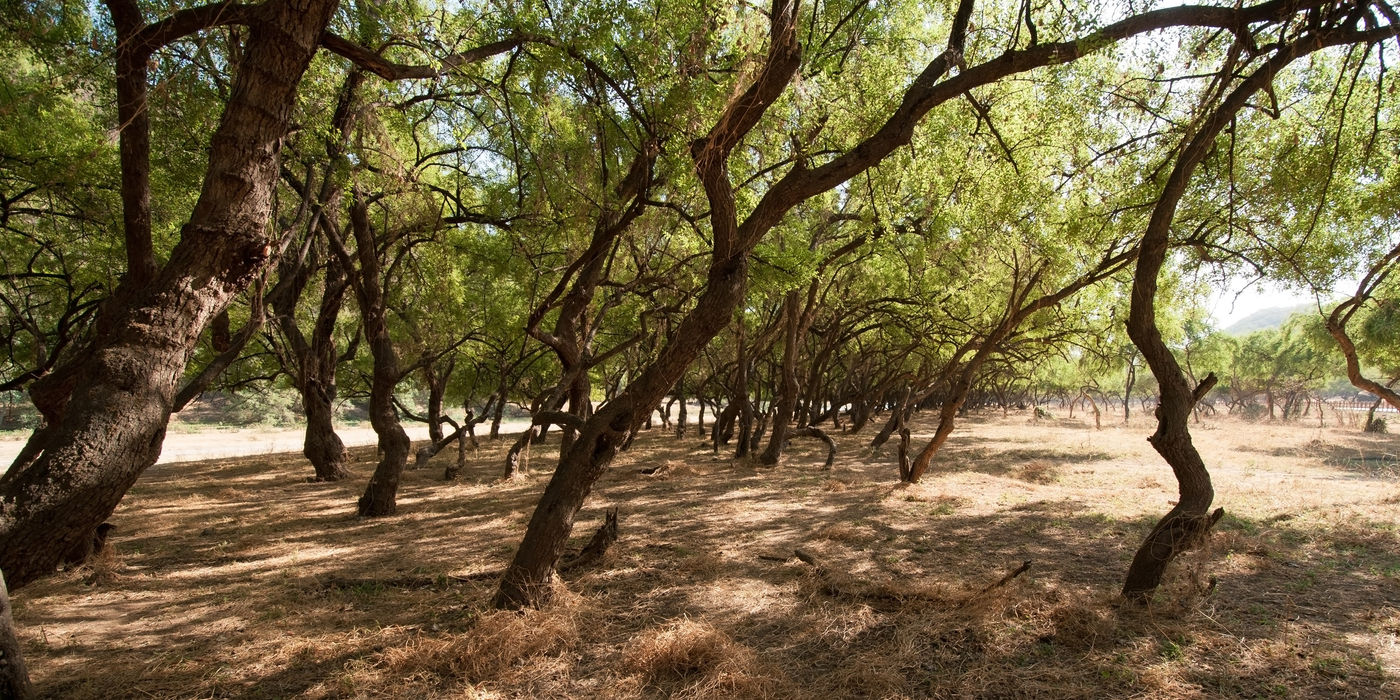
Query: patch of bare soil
[[237, 578]]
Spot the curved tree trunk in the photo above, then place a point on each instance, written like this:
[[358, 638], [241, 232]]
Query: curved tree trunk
[[114, 423], [380, 495], [1189, 520]]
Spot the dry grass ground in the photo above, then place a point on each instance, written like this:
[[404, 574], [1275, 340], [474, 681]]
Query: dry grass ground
[[239, 579]]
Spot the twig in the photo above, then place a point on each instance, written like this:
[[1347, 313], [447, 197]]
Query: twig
[[1023, 568]]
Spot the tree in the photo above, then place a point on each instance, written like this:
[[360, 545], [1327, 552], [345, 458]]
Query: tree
[[104, 431], [1189, 520]]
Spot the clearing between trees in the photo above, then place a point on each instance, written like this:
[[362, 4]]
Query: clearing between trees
[[237, 578]]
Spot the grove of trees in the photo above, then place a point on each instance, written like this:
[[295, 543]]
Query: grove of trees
[[799, 217]]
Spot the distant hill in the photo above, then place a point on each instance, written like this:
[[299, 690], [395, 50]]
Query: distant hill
[[1272, 317]]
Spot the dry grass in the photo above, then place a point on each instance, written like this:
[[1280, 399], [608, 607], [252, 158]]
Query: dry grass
[[236, 578], [693, 659]]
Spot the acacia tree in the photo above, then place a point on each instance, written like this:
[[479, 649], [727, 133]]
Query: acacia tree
[[1188, 520], [105, 412]]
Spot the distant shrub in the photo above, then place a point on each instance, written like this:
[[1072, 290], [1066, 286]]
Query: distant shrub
[[1376, 425]]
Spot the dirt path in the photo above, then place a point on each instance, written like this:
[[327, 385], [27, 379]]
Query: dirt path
[[185, 444]]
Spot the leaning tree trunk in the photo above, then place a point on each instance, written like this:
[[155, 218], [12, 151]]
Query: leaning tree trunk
[[947, 416], [1189, 520], [526, 580], [113, 425]]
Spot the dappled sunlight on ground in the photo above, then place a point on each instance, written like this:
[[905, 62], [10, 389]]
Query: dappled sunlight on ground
[[238, 578]]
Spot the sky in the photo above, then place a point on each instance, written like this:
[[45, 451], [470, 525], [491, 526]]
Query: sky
[[1243, 297]]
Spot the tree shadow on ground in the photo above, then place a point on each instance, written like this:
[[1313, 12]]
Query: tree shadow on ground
[[238, 578]]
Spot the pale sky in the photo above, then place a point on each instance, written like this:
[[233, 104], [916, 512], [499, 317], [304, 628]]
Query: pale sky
[[1244, 297]]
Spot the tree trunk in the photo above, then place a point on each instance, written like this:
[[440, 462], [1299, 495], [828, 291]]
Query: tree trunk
[[114, 423], [14, 677], [322, 446], [957, 394], [380, 495], [680, 410], [497, 414], [551, 402], [1189, 520], [1128, 389], [437, 386], [453, 471], [526, 580], [787, 396], [745, 416]]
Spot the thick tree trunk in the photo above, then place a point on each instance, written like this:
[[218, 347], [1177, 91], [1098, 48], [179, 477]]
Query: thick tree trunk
[[322, 446], [380, 495], [115, 421]]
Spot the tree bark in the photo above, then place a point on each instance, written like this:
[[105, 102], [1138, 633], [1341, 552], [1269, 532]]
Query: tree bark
[[114, 422], [322, 446], [14, 676], [380, 497], [787, 397]]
